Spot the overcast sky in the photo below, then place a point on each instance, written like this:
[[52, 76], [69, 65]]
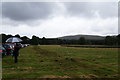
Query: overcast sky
[[55, 19]]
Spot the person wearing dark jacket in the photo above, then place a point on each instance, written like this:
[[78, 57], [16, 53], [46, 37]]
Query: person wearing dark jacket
[[16, 52]]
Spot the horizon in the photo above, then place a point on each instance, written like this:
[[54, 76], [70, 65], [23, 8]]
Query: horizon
[[62, 36]]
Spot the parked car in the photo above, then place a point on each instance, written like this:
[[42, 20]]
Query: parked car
[[8, 48], [22, 45], [2, 51], [25, 45], [11, 45]]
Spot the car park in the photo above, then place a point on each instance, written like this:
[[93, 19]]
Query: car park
[[8, 48], [2, 51], [12, 45], [25, 45]]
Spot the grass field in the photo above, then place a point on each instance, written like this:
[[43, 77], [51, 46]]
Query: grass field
[[54, 61]]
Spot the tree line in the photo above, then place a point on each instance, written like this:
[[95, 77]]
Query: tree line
[[109, 40]]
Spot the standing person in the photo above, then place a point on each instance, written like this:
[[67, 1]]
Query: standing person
[[16, 52]]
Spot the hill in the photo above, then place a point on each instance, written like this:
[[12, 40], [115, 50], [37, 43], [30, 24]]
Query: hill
[[87, 37]]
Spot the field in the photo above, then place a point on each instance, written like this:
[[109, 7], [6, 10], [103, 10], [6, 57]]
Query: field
[[55, 61]]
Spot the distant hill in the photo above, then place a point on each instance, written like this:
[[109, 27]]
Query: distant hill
[[87, 37]]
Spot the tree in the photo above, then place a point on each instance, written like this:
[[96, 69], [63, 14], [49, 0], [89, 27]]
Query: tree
[[35, 40], [118, 37], [9, 36], [25, 39], [17, 35], [3, 38], [111, 40], [82, 40], [44, 41]]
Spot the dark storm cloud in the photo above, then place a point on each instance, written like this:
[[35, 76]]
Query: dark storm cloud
[[91, 9], [22, 11]]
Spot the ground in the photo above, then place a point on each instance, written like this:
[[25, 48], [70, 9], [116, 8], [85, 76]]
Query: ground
[[55, 61]]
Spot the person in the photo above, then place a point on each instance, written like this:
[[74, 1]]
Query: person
[[16, 52]]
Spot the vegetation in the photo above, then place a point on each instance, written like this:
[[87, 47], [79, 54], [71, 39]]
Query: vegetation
[[54, 61], [82, 41], [109, 40]]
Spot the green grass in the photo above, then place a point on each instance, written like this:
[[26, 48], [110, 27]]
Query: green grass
[[56, 61]]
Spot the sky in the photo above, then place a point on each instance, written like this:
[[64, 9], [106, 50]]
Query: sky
[[56, 19]]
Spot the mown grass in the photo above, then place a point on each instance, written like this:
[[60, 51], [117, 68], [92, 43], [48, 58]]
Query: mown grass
[[56, 61]]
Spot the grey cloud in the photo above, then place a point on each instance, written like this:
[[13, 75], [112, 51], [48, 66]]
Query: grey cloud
[[90, 9], [119, 17], [0, 10], [15, 13], [22, 11]]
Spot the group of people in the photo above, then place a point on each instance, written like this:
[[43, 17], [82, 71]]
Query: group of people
[[16, 52]]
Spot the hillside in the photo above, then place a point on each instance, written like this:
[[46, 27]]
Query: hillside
[[87, 37]]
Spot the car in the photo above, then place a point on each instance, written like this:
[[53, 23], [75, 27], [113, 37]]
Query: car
[[8, 48], [11, 45], [2, 51], [23, 45]]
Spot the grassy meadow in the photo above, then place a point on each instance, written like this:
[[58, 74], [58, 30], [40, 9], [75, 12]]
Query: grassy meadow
[[55, 61]]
